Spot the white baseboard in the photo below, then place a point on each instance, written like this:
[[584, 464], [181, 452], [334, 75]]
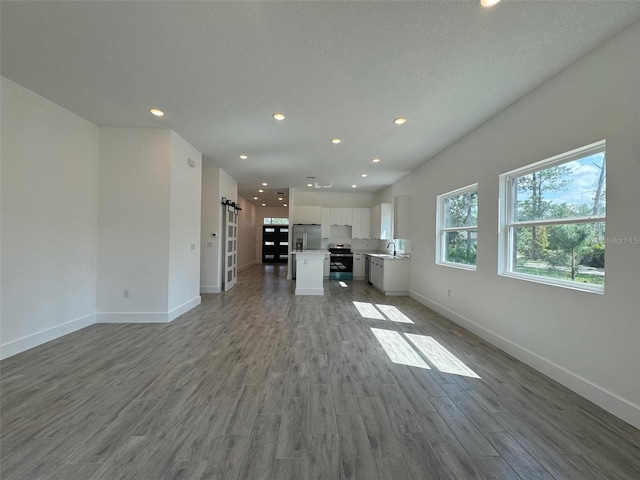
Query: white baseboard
[[611, 402], [132, 317], [184, 308], [309, 291], [204, 289], [244, 267], [30, 341]]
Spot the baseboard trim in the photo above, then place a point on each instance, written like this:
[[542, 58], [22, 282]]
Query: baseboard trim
[[184, 308], [204, 289], [30, 341], [309, 291], [248, 265], [132, 317], [611, 402]]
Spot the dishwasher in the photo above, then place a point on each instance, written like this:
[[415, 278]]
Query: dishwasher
[[367, 269]]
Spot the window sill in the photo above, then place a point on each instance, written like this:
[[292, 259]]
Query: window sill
[[582, 287], [461, 266]]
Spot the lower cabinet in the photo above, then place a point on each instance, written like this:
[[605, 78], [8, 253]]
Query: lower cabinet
[[390, 276], [358, 265], [327, 266]]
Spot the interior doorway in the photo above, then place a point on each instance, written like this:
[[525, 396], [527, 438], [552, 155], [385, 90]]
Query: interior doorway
[[275, 243]]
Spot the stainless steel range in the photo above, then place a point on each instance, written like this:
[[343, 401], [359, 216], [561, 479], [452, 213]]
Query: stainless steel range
[[341, 266]]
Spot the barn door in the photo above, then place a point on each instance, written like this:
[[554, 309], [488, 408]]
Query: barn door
[[230, 257]]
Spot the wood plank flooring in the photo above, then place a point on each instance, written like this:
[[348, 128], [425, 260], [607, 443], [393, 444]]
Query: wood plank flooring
[[257, 383]]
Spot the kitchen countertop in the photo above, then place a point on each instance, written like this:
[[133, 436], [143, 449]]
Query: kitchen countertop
[[387, 256], [310, 252]]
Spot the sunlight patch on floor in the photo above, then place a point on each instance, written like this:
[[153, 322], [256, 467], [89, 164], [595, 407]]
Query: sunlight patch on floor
[[368, 311], [397, 348], [439, 356], [394, 314], [342, 284]]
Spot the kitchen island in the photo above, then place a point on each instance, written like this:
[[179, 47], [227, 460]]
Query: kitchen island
[[309, 271]]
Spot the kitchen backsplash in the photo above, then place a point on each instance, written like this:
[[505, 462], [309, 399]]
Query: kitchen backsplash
[[342, 234]]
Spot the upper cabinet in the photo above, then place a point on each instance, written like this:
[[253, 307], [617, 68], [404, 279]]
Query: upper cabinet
[[303, 214], [326, 222], [381, 222], [361, 223], [359, 219], [341, 216], [402, 217]]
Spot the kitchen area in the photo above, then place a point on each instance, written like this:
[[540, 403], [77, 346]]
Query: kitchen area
[[353, 243]]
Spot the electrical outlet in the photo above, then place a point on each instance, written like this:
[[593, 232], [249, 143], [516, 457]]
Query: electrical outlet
[[125, 293], [193, 246], [209, 244], [449, 292]]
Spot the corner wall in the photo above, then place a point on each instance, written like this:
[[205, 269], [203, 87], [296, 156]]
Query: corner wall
[[247, 232], [184, 227], [588, 342], [133, 240], [216, 183], [49, 223]]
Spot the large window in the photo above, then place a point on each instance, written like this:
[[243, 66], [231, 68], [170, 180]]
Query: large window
[[276, 221], [553, 220], [457, 226]]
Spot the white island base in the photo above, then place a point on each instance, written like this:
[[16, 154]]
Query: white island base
[[309, 272]]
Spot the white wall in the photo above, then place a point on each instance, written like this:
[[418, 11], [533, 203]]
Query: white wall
[[184, 223], [49, 223], [313, 197], [216, 183], [133, 239], [588, 342], [247, 234]]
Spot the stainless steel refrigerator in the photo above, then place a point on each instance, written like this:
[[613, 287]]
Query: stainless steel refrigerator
[[306, 237]]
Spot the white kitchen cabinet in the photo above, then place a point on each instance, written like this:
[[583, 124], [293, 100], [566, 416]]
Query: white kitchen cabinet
[[336, 216], [361, 223], [358, 265], [347, 216], [314, 215], [325, 224], [341, 216], [327, 266], [402, 217], [305, 214], [381, 221], [390, 275], [300, 214], [376, 273]]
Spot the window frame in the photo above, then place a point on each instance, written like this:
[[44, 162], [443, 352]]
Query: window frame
[[441, 229], [507, 224]]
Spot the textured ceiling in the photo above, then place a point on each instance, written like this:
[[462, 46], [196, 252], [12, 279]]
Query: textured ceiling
[[336, 69]]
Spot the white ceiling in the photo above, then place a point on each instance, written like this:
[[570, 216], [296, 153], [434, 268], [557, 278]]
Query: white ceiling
[[335, 69]]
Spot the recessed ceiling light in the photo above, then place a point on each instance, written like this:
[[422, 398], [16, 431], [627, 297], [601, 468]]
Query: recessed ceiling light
[[488, 3], [264, 184], [278, 116], [255, 198], [243, 157], [375, 160], [264, 204], [285, 205], [260, 191], [400, 121], [363, 175], [309, 184], [335, 141], [280, 198], [353, 186], [157, 112]]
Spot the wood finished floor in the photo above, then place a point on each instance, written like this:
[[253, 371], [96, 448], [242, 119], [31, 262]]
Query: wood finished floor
[[257, 383]]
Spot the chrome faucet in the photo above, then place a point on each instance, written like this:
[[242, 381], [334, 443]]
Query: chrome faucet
[[394, 247]]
